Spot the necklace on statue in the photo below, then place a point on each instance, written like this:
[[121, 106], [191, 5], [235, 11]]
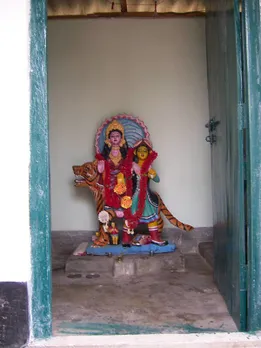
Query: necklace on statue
[[115, 155]]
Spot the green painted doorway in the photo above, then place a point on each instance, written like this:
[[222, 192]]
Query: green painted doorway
[[237, 243], [226, 136], [233, 55]]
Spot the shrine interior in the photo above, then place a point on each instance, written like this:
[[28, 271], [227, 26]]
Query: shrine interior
[[156, 70]]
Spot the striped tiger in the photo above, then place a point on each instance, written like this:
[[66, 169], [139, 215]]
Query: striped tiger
[[87, 175], [172, 219]]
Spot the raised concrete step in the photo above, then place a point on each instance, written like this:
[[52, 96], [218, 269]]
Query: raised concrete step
[[65, 242], [124, 266], [206, 250]]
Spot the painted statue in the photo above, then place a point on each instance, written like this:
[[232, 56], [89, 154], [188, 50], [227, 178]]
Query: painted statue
[[103, 237], [87, 175], [114, 232], [119, 179], [111, 162], [145, 203]]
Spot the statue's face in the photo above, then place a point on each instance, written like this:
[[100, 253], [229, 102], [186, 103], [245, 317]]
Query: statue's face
[[142, 152], [115, 137]]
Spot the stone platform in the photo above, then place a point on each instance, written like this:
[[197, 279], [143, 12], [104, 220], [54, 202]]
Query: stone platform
[[206, 250], [65, 242], [108, 267]]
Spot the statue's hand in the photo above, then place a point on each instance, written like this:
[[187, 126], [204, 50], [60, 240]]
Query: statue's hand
[[100, 166], [152, 173]]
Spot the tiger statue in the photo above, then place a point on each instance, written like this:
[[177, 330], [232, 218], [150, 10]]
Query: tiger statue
[[87, 175]]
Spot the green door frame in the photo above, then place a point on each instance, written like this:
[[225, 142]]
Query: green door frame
[[41, 291], [252, 66], [40, 213]]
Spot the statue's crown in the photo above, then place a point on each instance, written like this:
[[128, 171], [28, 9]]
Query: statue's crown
[[114, 126]]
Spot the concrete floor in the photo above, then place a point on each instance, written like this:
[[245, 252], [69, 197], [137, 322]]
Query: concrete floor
[[168, 302]]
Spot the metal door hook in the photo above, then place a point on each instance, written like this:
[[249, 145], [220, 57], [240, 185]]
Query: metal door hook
[[211, 139], [212, 124]]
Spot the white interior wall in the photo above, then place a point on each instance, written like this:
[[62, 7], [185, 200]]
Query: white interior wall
[[154, 69]]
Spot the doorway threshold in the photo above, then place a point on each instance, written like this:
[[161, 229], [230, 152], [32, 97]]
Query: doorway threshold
[[203, 340]]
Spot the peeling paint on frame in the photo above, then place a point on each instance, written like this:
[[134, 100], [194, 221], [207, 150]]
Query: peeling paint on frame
[[251, 12], [251, 20], [41, 316]]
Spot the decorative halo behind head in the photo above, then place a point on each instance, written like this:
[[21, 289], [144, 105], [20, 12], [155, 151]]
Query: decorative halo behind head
[[133, 130]]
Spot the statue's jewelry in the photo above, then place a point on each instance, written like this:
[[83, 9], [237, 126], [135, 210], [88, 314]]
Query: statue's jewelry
[[115, 159]]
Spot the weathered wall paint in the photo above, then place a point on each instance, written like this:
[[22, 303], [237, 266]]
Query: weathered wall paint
[[14, 141], [39, 176]]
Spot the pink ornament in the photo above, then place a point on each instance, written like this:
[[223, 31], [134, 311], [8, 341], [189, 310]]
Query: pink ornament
[[103, 217]]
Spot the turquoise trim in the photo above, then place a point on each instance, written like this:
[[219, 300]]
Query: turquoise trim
[[96, 329], [39, 176], [252, 27], [223, 35]]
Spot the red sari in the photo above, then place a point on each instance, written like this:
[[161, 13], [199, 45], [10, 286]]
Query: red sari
[[111, 198]]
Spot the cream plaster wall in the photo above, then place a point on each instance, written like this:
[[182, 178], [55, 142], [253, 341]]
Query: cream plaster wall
[[154, 69], [14, 141]]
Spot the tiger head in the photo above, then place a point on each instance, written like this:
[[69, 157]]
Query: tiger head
[[86, 175]]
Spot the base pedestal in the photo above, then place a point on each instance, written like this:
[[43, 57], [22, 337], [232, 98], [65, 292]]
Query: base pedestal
[[126, 262], [133, 250]]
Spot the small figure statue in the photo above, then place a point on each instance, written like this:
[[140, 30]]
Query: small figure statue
[[114, 233], [103, 237]]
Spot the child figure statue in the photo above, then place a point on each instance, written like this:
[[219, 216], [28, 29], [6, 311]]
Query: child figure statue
[[114, 233]]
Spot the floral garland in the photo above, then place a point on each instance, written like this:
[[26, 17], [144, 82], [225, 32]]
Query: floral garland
[[112, 199], [133, 219], [127, 171]]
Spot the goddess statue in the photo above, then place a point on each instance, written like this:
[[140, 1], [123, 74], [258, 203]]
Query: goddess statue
[[119, 179], [111, 162], [145, 203]]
